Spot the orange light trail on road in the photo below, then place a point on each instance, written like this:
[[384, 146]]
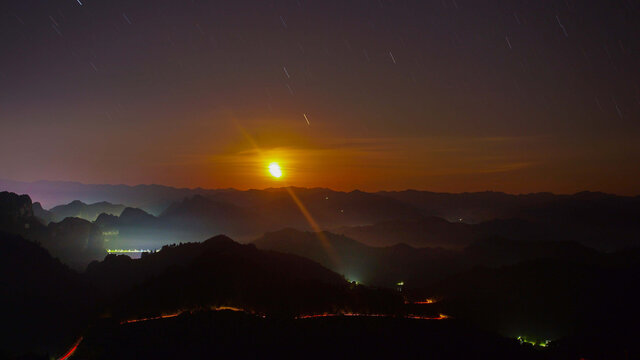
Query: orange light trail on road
[[230, 308], [72, 350], [427, 301], [300, 317], [166, 316], [439, 317], [415, 317], [151, 318]]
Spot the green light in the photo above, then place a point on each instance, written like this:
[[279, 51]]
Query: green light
[[525, 340], [111, 251]]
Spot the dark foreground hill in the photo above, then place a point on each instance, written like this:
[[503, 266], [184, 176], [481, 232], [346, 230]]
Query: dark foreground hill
[[44, 304], [537, 290], [221, 272], [551, 298]]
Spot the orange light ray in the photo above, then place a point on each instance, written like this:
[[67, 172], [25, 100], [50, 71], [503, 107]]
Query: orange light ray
[[307, 215], [316, 228]]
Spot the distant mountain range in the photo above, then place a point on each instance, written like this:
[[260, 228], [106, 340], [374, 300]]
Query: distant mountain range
[[152, 198], [600, 225], [255, 212], [76, 208], [415, 267], [84, 211], [477, 207], [600, 221], [421, 232], [417, 218]]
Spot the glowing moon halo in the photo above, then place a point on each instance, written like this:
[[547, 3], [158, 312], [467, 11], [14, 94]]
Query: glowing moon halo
[[274, 170]]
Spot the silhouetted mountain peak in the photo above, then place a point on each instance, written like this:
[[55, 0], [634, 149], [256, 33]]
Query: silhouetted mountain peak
[[73, 221], [37, 206], [15, 206], [592, 195], [135, 214], [105, 219], [85, 211], [220, 242], [16, 214], [111, 260], [42, 214]]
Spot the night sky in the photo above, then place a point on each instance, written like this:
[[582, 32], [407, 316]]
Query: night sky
[[448, 95]]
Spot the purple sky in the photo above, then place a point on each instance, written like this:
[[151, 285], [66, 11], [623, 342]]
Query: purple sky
[[451, 95]]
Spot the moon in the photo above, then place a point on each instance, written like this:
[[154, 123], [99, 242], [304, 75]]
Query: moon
[[274, 170]]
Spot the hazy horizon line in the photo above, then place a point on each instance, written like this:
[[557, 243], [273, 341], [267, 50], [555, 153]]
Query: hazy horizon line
[[4, 180]]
